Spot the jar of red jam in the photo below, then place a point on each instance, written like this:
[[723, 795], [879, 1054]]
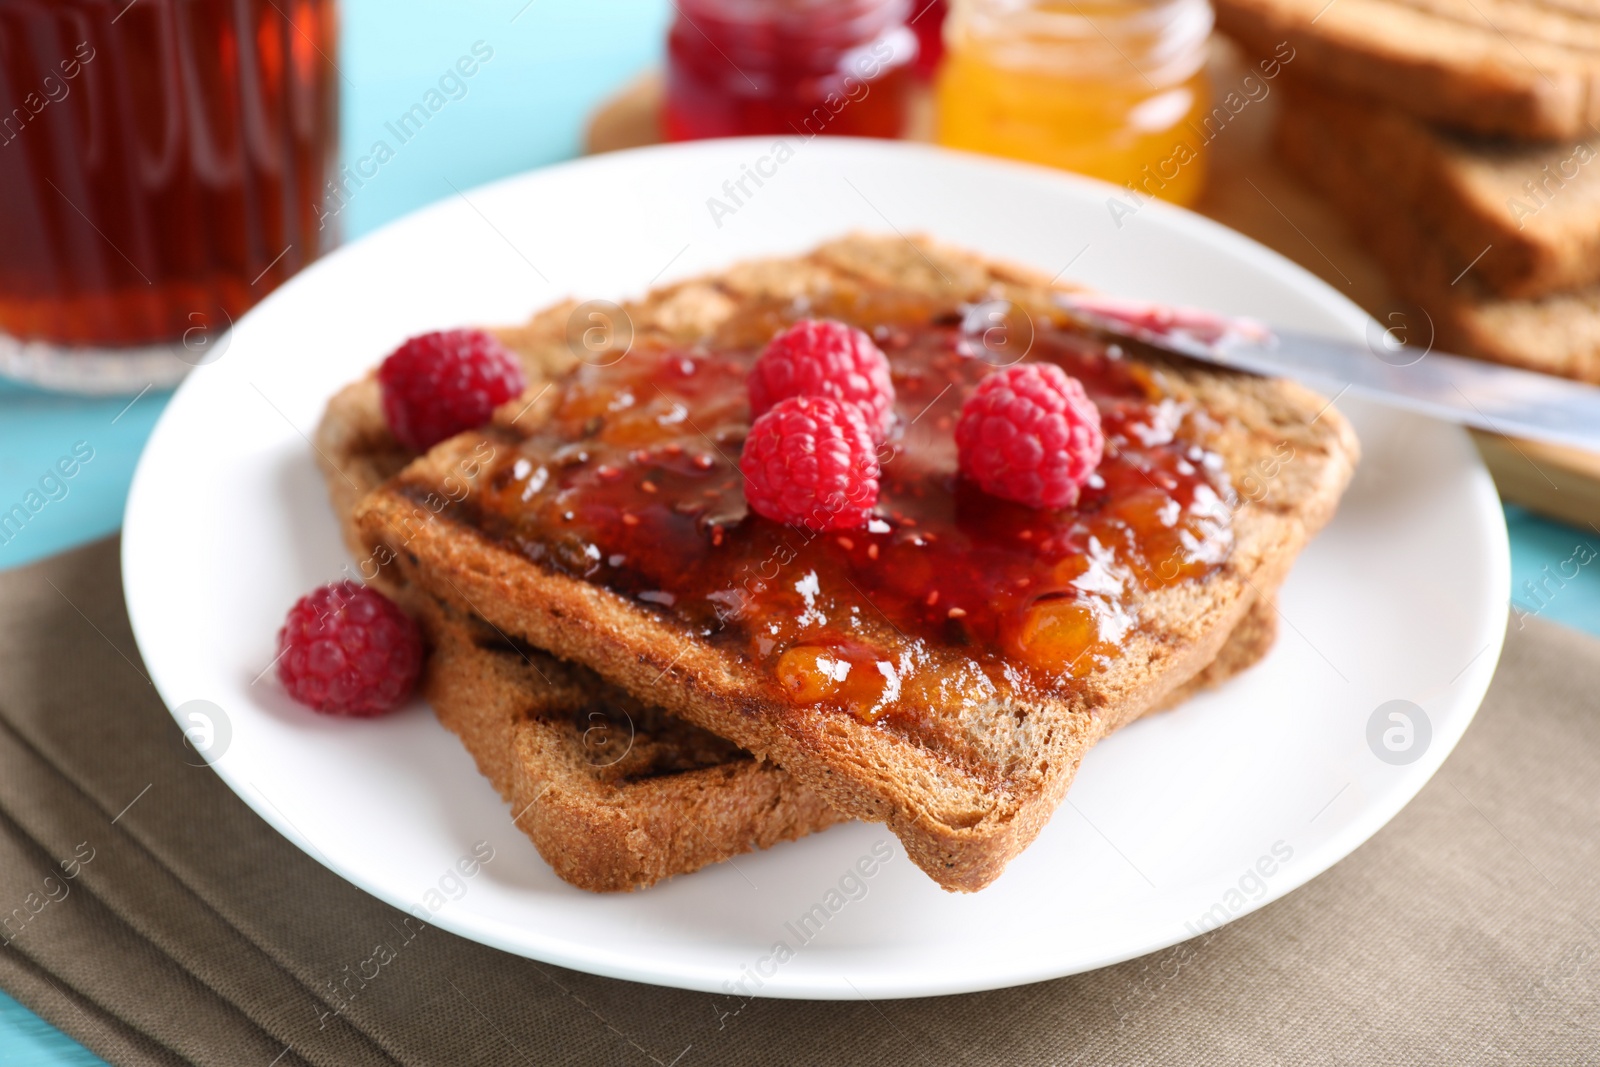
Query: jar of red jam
[[927, 21], [802, 67]]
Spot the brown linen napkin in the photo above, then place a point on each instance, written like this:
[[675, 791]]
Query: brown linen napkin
[[151, 915]]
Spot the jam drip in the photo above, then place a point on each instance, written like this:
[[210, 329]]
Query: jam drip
[[946, 597]]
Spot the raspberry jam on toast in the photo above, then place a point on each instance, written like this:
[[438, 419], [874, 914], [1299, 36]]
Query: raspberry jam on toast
[[631, 485], [949, 687]]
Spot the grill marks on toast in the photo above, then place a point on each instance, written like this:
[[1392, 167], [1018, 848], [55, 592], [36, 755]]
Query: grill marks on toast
[[612, 795], [622, 739], [959, 825]]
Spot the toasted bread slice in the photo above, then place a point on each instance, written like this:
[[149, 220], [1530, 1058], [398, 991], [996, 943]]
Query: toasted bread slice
[[1521, 218], [1558, 333], [1514, 68], [615, 795], [965, 783]]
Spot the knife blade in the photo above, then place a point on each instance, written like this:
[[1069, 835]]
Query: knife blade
[[1504, 400]]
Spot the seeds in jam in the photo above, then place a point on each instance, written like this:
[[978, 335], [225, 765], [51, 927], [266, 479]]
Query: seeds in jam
[[946, 596]]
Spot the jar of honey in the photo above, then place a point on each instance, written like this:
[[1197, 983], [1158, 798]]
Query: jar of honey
[[789, 67], [1109, 88], [163, 166]]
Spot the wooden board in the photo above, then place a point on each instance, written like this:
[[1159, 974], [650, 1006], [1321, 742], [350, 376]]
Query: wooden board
[[1248, 191]]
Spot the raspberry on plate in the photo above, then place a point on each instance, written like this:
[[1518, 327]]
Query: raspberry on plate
[[811, 461], [346, 649], [821, 357], [439, 384], [1030, 434]]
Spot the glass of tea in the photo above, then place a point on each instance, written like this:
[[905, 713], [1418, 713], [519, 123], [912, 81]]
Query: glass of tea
[[162, 168]]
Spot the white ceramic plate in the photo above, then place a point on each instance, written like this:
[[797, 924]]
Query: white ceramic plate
[[1175, 824]]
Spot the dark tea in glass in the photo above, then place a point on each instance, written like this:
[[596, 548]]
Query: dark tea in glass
[[162, 167]]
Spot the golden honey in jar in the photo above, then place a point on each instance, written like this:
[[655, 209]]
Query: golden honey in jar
[[1107, 88]]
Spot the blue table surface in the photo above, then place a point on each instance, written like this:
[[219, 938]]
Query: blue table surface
[[554, 60]]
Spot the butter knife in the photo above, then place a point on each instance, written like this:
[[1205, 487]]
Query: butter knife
[[1504, 400]]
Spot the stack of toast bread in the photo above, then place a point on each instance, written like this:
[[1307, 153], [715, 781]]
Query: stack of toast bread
[[1456, 138], [633, 744]]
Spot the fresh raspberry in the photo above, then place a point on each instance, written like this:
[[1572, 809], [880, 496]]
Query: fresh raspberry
[[820, 357], [1030, 434], [348, 650], [438, 384], [811, 461]]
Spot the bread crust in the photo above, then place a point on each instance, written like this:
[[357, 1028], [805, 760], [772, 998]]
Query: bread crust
[[615, 795], [1558, 333], [1473, 194], [1442, 60], [975, 792]]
